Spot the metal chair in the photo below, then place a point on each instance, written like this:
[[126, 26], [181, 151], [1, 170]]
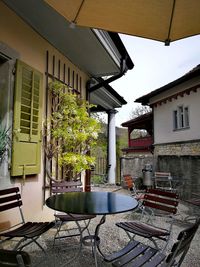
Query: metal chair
[[26, 232], [14, 258], [62, 218], [129, 183], [138, 254], [163, 180], [154, 201]]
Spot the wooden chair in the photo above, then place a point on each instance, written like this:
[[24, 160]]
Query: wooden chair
[[163, 180], [14, 258], [154, 200], [130, 185], [61, 218], [139, 254], [26, 232]]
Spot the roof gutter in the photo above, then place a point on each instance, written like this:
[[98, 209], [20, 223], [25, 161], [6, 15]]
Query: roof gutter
[[123, 70]]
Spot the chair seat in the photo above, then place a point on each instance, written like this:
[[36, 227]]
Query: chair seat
[[136, 254], [29, 230], [74, 217], [143, 229], [14, 258]]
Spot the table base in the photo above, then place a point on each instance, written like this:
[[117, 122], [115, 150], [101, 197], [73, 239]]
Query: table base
[[94, 240]]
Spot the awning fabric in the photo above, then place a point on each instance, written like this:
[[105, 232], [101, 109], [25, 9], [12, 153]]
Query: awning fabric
[[163, 20]]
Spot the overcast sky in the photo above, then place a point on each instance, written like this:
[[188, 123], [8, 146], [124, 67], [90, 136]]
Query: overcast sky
[[155, 66]]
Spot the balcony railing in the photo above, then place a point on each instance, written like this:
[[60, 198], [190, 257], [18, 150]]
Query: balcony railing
[[143, 142]]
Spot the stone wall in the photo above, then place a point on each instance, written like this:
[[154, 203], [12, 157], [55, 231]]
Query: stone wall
[[178, 149], [183, 161], [133, 165]]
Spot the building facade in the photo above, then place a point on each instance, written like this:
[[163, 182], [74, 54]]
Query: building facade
[[37, 46], [176, 127]]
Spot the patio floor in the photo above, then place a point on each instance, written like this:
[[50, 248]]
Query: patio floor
[[112, 238]]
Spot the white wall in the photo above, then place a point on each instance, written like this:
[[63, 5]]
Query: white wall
[[163, 119]]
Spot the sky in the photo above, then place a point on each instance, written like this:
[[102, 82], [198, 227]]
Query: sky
[[154, 66]]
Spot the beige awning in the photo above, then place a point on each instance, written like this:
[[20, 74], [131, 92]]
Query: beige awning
[[162, 20]]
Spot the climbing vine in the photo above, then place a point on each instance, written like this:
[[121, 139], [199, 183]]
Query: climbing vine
[[71, 132]]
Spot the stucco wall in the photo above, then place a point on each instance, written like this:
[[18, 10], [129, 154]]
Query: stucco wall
[[163, 119], [32, 48]]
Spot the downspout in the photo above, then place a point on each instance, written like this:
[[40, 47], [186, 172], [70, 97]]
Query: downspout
[[123, 70]]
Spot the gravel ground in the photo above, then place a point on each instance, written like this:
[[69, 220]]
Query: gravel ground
[[112, 238]]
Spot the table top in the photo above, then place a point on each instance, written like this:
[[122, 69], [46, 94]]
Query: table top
[[94, 203]]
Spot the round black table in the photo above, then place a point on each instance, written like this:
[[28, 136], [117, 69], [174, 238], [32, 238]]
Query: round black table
[[96, 203], [93, 203]]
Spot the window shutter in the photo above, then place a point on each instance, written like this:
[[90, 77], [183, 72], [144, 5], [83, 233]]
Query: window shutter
[[26, 147]]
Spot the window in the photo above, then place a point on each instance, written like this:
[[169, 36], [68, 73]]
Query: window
[[181, 117]]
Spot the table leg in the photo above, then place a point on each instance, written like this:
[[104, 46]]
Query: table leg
[[81, 229], [94, 240]]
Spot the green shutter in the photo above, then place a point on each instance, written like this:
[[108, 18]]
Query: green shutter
[[26, 148]]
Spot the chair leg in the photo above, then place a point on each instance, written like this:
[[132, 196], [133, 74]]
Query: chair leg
[[20, 260], [86, 226], [32, 240], [57, 230], [80, 230], [78, 247]]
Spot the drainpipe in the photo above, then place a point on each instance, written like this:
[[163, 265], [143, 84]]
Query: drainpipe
[[123, 70]]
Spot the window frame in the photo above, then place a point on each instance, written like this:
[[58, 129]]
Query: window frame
[[181, 120]]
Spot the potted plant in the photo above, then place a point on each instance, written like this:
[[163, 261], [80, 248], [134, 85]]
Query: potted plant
[[4, 142], [70, 131]]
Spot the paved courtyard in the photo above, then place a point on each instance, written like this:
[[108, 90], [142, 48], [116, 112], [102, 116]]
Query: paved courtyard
[[112, 238]]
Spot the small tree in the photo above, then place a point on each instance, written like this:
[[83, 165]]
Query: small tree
[[138, 111], [101, 146], [70, 131]]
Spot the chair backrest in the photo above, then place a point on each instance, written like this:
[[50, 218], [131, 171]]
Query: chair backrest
[[161, 200], [181, 247], [10, 199], [14, 258], [128, 181], [66, 186], [163, 180], [130, 184], [162, 174]]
